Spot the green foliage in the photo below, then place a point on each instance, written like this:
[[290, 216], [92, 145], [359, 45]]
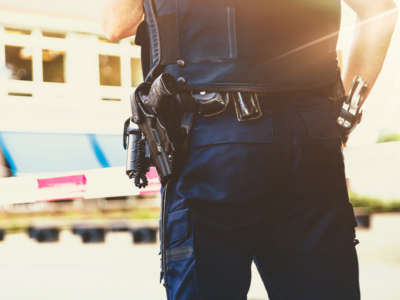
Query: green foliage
[[392, 137], [19, 222], [145, 214], [373, 204]]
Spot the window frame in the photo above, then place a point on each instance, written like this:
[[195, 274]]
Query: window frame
[[38, 88]]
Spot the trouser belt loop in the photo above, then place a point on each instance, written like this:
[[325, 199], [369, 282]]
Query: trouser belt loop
[[248, 105]]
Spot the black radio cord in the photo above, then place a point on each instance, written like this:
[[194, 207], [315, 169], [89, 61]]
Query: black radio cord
[[141, 163]]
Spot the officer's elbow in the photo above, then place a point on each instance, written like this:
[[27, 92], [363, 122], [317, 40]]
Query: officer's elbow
[[111, 30], [116, 31], [377, 9], [112, 36], [120, 18], [395, 9]]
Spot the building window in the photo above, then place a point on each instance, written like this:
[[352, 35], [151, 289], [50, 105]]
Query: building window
[[17, 31], [109, 99], [19, 62], [110, 70], [53, 65], [57, 35], [136, 72]]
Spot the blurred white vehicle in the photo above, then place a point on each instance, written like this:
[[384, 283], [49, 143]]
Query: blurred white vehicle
[[64, 95]]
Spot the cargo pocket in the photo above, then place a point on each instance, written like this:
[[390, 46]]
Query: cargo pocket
[[178, 229], [207, 32], [180, 257]]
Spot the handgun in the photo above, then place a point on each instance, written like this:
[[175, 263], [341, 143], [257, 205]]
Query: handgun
[[351, 113], [146, 103]]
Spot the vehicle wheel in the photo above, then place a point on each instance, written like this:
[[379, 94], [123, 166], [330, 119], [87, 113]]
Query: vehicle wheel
[[46, 235], [92, 235], [144, 235]]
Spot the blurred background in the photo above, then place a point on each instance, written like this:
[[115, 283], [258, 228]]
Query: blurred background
[[72, 226]]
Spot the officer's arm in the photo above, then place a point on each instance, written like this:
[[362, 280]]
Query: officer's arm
[[376, 23], [121, 18]]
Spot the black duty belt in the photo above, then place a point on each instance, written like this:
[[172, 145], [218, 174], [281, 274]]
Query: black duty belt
[[247, 105]]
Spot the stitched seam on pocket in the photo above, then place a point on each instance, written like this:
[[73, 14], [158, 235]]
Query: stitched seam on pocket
[[232, 40]]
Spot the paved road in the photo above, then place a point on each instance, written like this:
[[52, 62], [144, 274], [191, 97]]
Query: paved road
[[119, 270]]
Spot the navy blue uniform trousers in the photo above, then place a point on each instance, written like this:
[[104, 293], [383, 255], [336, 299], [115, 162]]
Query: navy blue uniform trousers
[[271, 191]]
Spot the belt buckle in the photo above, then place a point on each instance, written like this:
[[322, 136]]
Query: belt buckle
[[210, 104], [247, 106]]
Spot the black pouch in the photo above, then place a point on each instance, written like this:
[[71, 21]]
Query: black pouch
[[158, 110]]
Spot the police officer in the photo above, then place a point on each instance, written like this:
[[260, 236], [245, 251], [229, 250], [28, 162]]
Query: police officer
[[271, 189]]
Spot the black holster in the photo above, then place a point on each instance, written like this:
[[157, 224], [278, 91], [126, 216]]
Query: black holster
[[158, 114]]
